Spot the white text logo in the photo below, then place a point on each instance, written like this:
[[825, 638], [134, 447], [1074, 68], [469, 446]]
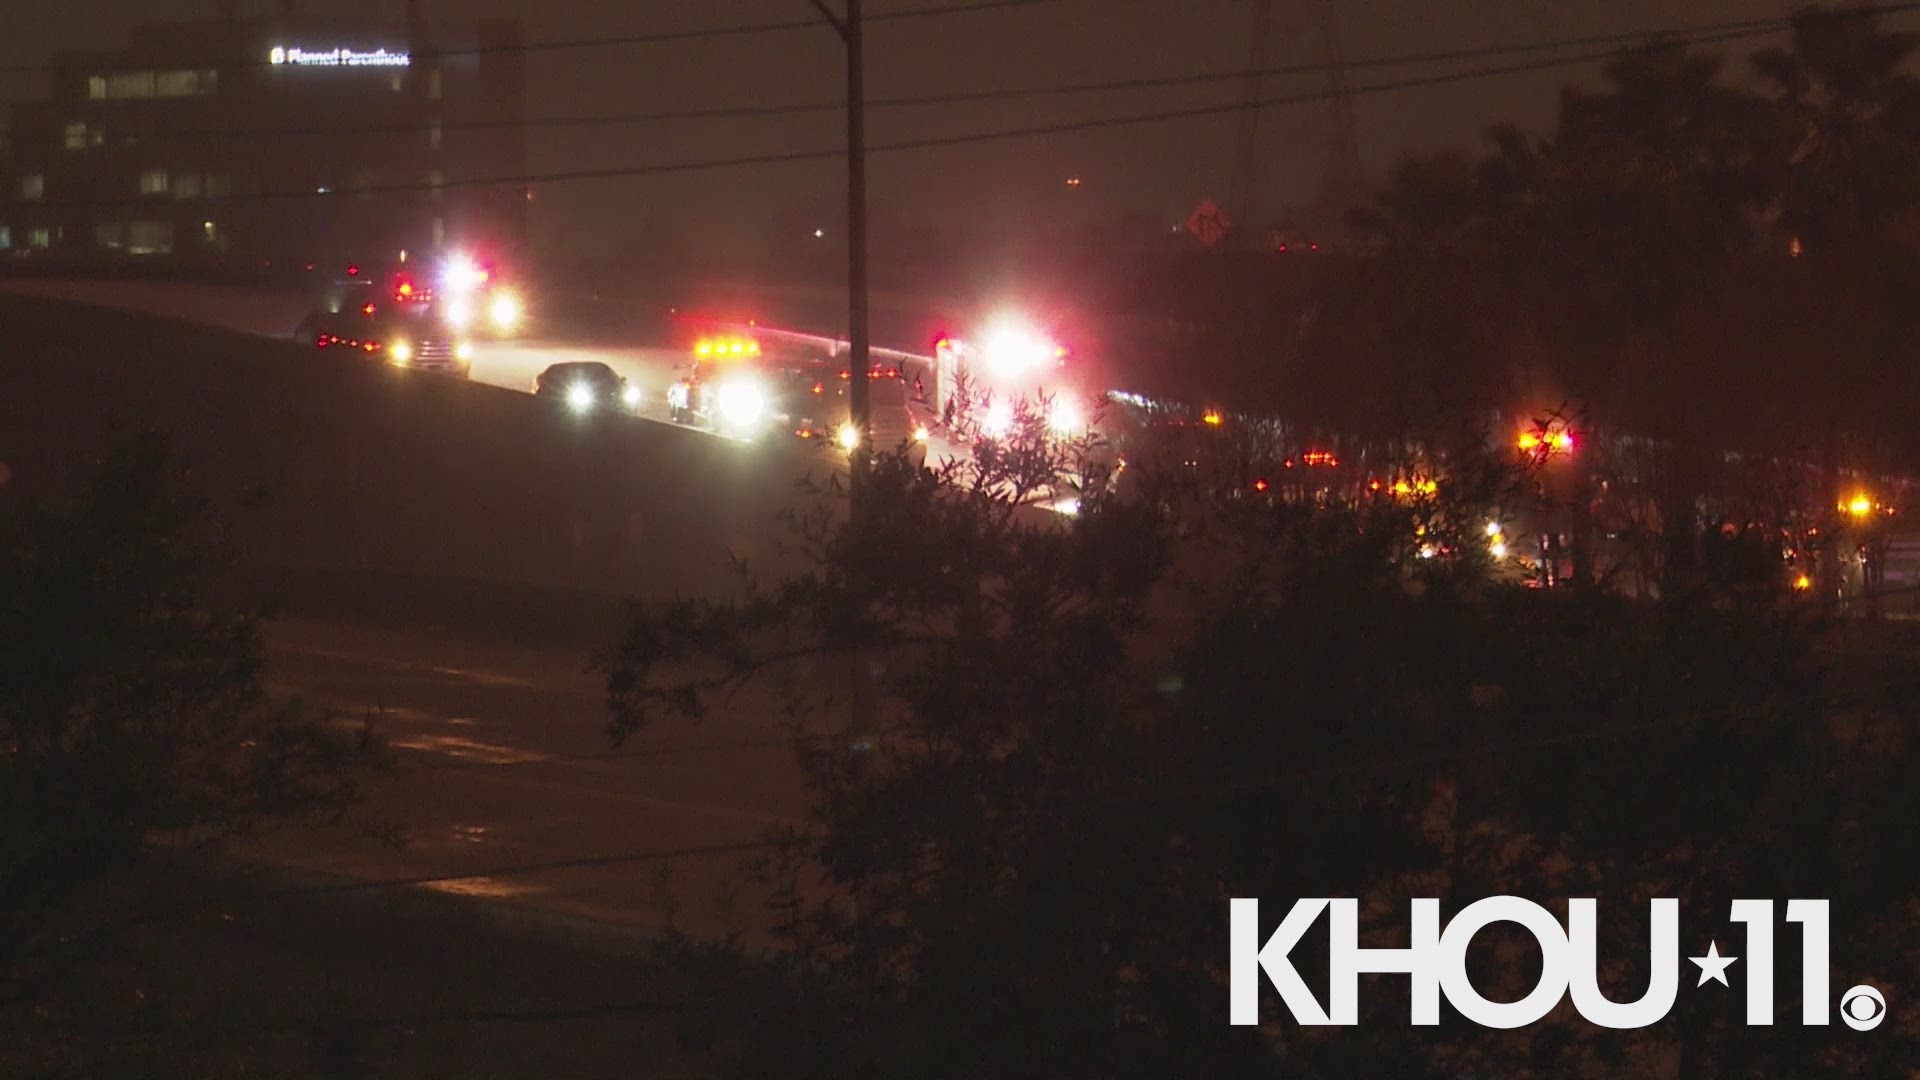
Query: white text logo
[[1435, 961]]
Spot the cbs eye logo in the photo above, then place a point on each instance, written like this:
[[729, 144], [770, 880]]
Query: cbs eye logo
[[1863, 1008]]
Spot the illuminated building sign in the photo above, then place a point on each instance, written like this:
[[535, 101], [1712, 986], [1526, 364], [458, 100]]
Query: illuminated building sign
[[338, 58]]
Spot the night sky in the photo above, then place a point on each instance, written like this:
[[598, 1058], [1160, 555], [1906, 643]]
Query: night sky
[[1159, 169]]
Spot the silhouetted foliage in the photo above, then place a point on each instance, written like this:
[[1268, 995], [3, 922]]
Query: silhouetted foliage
[[134, 731], [1090, 732]]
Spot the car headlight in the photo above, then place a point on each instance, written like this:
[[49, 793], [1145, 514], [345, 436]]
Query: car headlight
[[1065, 417], [741, 403], [505, 311], [463, 351], [631, 395], [580, 397], [400, 352], [998, 421]]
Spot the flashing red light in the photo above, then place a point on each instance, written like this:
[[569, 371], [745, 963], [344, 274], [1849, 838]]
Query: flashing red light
[[371, 345], [1313, 247], [1288, 464], [353, 270], [1373, 485], [309, 268], [1259, 485], [320, 342], [819, 388], [1283, 249], [1321, 457], [368, 310], [406, 288]]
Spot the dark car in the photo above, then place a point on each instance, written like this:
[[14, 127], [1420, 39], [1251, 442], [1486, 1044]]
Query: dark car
[[585, 386], [402, 338]]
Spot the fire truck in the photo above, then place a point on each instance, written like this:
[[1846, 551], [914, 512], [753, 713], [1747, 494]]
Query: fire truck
[[466, 293], [741, 385], [979, 383]]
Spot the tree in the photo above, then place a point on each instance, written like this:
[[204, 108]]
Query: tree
[[1845, 118], [133, 729], [1098, 729]]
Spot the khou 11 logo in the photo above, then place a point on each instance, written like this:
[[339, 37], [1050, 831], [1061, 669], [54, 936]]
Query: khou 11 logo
[[1436, 963]]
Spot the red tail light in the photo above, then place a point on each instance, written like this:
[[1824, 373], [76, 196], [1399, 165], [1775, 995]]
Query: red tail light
[[320, 342]]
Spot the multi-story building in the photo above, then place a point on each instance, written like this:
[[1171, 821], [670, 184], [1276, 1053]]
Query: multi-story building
[[255, 142]]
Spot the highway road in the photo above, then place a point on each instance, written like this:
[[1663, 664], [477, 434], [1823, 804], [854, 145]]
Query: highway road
[[651, 365], [501, 756], [501, 759], [273, 313]]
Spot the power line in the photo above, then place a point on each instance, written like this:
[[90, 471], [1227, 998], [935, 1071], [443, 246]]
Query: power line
[[931, 142], [1682, 36], [648, 38]]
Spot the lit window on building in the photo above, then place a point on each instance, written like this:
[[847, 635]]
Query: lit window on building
[[210, 234], [436, 181], [97, 87], [33, 186], [6, 237], [111, 235], [81, 135], [435, 135], [186, 185], [40, 239], [150, 238], [184, 83], [130, 84], [433, 84], [153, 182]]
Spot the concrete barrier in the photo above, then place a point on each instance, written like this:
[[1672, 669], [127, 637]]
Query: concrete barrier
[[393, 473]]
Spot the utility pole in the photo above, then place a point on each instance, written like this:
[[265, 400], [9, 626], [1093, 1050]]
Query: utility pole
[[1342, 170], [859, 366], [1243, 190]]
